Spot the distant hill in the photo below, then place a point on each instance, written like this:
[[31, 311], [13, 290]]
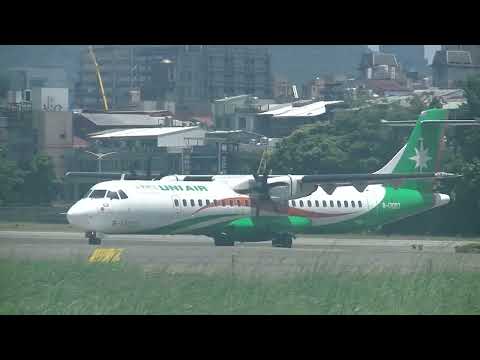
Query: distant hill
[[299, 63]]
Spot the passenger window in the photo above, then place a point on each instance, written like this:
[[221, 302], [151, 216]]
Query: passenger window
[[192, 203], [339, 203], [293, 203], [231, 202], [176, 203], [215, 202], [200, 203], [317, 203], [353, 204], [207, 202], [184, 202], [224, 203], [324, 203], [359, 204], [122, 195], [246, 202], [301, 203], [309, 203], [98, 194], [345, 203], [331, 203], [238, 203]]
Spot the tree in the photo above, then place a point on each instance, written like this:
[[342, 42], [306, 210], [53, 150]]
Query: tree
[[435, 103], [40, 185], [4, 84], [10, 177]]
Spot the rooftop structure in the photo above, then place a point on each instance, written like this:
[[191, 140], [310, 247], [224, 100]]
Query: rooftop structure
[[410, 57], [452, 66]]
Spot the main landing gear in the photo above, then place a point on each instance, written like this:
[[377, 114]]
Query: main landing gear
[[283, 240], [223, 240], [93, 239]]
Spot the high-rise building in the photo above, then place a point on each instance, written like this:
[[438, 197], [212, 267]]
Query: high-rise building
[[411, 57], [473, 49], [191, 75], [123, 69], [301, 63]]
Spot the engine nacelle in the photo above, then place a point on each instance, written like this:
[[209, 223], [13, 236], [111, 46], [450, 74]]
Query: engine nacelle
[[289, 187]]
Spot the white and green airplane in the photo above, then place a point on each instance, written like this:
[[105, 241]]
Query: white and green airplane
[[251, 208]]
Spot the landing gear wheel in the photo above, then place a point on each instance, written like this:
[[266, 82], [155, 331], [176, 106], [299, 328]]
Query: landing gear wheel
[[92, 238], [283, 241], [223, 241]]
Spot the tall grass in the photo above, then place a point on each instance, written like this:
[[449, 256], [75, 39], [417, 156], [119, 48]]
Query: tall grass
[[46, 287]]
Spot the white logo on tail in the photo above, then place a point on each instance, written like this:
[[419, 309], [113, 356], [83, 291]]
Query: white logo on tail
[[421, 157]]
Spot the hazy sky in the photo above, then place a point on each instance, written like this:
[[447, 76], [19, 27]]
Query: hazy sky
[[429, 50]]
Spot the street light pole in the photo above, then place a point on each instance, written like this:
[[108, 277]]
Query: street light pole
[[99, 157]]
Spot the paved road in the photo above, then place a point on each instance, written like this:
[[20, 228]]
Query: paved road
[[198, 254]]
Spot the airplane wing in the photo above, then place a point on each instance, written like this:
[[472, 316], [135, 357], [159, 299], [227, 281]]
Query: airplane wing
[[111, 175], [361, 181]]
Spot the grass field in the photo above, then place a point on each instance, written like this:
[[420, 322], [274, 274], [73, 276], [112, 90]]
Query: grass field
[[41, 287]]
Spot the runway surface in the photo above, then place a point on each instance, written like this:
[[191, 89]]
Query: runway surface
[[185, 253]]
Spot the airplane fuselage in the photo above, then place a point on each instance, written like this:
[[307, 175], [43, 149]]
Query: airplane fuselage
[[210, 208]]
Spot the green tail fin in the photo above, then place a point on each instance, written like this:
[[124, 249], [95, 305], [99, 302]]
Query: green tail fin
[[423, 151]]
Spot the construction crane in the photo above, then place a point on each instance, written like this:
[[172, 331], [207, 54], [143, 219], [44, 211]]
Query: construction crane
[[263, 167], [99, 77]]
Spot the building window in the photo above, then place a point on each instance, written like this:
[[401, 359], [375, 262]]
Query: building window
[[192, 203], [242, 123]]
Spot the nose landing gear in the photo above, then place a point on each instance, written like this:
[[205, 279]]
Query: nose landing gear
[[93, 239]]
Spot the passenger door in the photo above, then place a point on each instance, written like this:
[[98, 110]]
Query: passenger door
[[177, 206]]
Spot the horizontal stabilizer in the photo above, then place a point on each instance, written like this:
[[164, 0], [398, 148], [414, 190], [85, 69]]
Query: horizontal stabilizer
[[412, 123]]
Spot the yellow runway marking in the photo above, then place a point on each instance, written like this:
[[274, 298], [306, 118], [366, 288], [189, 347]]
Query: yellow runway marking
[[105, 255]]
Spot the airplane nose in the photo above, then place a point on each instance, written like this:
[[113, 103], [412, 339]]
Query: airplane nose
[[78, 215]]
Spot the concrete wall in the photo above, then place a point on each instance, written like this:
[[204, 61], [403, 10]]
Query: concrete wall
[[55, 136], [50, 99]]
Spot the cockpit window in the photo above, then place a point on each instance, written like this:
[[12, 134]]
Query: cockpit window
[[122, 194], [112, 195], [98, 194], [87, 194]]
